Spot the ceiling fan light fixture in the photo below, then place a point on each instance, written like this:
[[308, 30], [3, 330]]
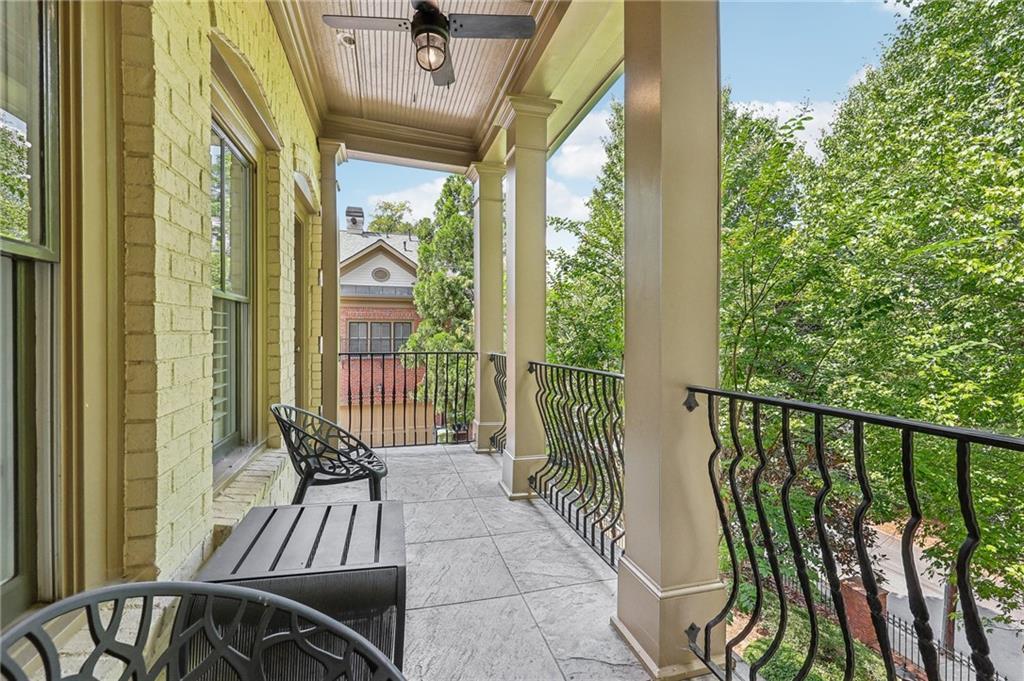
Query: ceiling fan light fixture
[[430, 36]]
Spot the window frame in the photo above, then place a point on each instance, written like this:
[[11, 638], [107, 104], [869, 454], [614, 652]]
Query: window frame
[[367, 339], [47, 249], [228, 143], [240, 307]]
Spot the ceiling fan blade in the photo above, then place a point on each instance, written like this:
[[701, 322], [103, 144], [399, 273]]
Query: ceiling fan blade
[[491, 25], [446, 74], [366, 23]]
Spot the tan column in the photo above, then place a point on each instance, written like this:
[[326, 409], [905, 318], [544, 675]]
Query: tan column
[[488, 310], [331, 154], [525, 252], [669, 575]]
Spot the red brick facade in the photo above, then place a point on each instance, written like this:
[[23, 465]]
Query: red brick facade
[[385, 378]]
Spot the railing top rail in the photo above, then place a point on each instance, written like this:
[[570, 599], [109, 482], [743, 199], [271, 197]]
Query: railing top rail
[[593, 372], [973, 436], [496, 354]]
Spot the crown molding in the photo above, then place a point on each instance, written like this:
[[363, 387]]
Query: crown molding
[[389, 142]]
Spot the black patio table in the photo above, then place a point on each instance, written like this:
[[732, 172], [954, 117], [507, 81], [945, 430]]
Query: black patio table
[[347, 560]]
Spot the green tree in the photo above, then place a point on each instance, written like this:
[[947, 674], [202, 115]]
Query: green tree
[[918, 207], [585, 287], [391, 217], [14, 203], [444, 281]]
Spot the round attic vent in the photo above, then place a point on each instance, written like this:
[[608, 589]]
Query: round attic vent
[[380, 274]]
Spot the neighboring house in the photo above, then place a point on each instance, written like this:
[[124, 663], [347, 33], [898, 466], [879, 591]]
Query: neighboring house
[[377, 315], [377, 273]]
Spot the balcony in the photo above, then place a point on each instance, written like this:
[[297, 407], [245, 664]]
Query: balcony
[[177, 270]]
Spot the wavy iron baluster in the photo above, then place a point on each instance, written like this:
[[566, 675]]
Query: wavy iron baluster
[[704, 655], [867, 573], [918, 605], [748, 542], [827, 557], [769, 546], [973, 628]]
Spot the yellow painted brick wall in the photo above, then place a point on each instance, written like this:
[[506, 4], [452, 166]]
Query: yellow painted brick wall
[[166, 112], [249, 29]]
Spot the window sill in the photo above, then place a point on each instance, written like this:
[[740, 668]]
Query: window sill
[[265, 478]]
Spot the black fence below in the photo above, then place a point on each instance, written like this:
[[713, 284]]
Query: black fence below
[[399, 399], [581, 410]]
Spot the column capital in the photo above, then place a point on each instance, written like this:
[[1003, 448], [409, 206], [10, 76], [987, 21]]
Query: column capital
[[485, 169], [329, 147], [518, 106]]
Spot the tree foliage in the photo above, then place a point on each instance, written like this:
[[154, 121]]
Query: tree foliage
[[585, 287], [392, 217], [444, 282], [14, 188]]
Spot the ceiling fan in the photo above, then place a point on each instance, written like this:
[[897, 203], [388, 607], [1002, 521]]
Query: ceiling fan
[[432, 32]]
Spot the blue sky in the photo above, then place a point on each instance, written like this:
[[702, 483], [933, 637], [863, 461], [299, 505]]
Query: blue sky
[[776, 56]]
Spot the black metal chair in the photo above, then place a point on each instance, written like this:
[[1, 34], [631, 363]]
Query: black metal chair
[[323, 453], [187, 631]]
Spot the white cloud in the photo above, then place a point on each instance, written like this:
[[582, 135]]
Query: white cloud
[[563, 203], [421, 198], [859, 77], [823, 114], [582, 154]]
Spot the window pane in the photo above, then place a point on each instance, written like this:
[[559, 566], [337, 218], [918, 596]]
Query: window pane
[[357, 337], [8, 503], [216, 189], [231, 219], [236, 222], [380, 337], [402, 332], [23, 121]]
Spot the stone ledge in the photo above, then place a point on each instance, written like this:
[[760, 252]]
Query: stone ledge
[[268, 479]]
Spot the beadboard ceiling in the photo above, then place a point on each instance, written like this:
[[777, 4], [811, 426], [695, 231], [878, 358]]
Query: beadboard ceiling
[[378, 79]]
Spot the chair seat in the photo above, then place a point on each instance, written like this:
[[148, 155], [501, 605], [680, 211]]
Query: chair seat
[[368, 459]]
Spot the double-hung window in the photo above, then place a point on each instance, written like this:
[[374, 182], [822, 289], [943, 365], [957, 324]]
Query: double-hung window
[[378, 336], [29, 223], [231, 212]]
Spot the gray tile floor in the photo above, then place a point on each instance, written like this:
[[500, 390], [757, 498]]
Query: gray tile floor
[[498, 590]]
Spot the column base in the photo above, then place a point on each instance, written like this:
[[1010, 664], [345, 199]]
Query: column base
[[652, 621], [516, 472], [484, 430]]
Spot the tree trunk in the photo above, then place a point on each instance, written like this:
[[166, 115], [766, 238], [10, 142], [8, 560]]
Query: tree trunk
[[950, 597]]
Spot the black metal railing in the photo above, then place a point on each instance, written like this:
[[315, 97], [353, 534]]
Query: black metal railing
[[828, 442], [500, 363], [398, 399], [581, 410]]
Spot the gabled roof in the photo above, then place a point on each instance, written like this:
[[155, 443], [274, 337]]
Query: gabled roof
[[352, 244]]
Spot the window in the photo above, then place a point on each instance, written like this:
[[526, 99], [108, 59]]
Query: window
[[402, 332], [231, 213], [383, 336], [357, 337], [380, 274], [380, 337], [28, 232]]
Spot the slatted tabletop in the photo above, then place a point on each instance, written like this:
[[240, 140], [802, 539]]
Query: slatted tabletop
[[277, 540]]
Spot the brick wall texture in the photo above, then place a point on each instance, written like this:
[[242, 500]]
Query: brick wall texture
[[166, 111]]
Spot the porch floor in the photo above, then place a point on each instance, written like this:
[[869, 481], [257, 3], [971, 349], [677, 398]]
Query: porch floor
[[497, 589]]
